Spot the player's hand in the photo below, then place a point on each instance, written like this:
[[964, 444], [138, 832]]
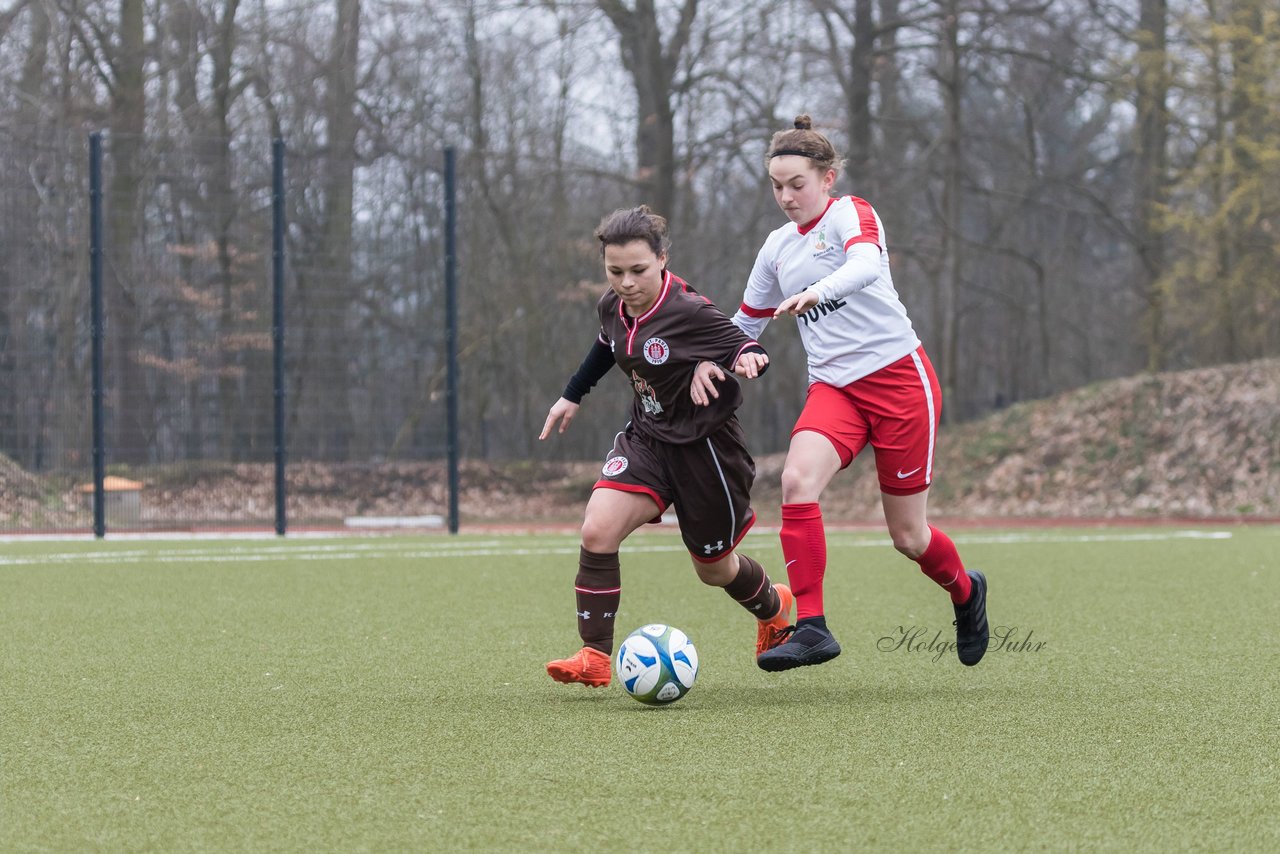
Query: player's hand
[[703, 388], [798, 304], [562, 412], [749, 365]]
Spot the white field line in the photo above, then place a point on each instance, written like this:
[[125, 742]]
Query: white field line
[[495, 548], [187, 536], [1093, 538]]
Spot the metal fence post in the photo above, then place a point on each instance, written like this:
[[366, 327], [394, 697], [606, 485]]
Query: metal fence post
[[96, 332], [277, 324], [451, 324]]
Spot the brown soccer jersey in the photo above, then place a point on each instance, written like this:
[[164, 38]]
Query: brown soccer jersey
[[658, 352]]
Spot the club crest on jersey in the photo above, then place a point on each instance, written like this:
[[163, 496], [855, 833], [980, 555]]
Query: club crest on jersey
[[820, 244], [656, 351], [614, 466]]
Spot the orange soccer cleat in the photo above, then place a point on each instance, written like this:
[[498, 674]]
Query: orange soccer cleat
[[771, 632], [588, 666]]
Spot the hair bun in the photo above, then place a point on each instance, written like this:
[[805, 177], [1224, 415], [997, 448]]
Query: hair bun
[[803, 122]]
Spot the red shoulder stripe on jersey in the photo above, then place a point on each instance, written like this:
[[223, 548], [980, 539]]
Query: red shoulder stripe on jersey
[[684, 288], [861, 238], [755, 312], [866, 222]]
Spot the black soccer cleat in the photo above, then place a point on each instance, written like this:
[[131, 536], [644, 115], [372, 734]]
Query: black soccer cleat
[[810, 643], [972, 633]]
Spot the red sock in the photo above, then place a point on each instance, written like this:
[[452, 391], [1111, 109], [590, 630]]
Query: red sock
[[942, 563], [804, 548]]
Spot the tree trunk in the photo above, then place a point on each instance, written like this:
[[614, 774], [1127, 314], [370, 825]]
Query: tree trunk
[[235, 437], [1153, 132], [945, 310], [331, 301], [25, 407], [129, 400], [1249, 118], [861, 59], [652, 69]]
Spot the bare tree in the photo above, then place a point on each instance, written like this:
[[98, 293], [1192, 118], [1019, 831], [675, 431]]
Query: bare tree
[[322, 403], [653, 67], [854, 68], [126, 58]]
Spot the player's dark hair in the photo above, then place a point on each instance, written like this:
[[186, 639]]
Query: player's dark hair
[[638, 223], [804, 141]]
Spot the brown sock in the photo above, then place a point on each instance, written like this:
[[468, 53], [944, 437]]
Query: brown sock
[[752, 589], [598, 588]]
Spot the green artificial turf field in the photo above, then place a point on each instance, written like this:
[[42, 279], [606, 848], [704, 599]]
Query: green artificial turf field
[[389, 694]]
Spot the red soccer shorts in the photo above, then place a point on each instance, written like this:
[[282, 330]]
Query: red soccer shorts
[[896, 409]]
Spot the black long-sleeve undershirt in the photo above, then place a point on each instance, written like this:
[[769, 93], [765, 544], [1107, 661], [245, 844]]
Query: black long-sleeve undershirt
[[597, 363]]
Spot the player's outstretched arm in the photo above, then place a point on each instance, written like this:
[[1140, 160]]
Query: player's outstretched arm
[[798, 304], [562, 413], [751, 364], [703, 388]]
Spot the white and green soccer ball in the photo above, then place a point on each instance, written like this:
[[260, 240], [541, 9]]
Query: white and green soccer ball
[[656, 664]]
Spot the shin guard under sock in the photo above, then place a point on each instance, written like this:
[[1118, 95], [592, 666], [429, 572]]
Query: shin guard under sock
[[804, 548], [942, 563], [752, 589], [598, 588]]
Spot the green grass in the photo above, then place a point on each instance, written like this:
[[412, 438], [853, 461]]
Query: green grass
[[389, 694]]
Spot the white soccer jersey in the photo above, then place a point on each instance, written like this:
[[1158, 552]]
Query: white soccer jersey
[[859, 325]]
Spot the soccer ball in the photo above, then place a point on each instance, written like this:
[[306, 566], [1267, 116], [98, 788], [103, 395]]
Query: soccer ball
[[657, 664]]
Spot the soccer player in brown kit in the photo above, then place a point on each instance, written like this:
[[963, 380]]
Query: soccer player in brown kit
[[674, 451]]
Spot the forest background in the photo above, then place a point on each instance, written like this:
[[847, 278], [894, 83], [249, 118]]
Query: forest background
[[1071, 191]]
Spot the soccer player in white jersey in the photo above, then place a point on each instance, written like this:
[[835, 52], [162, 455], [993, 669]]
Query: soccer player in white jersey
[[869, 382]]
